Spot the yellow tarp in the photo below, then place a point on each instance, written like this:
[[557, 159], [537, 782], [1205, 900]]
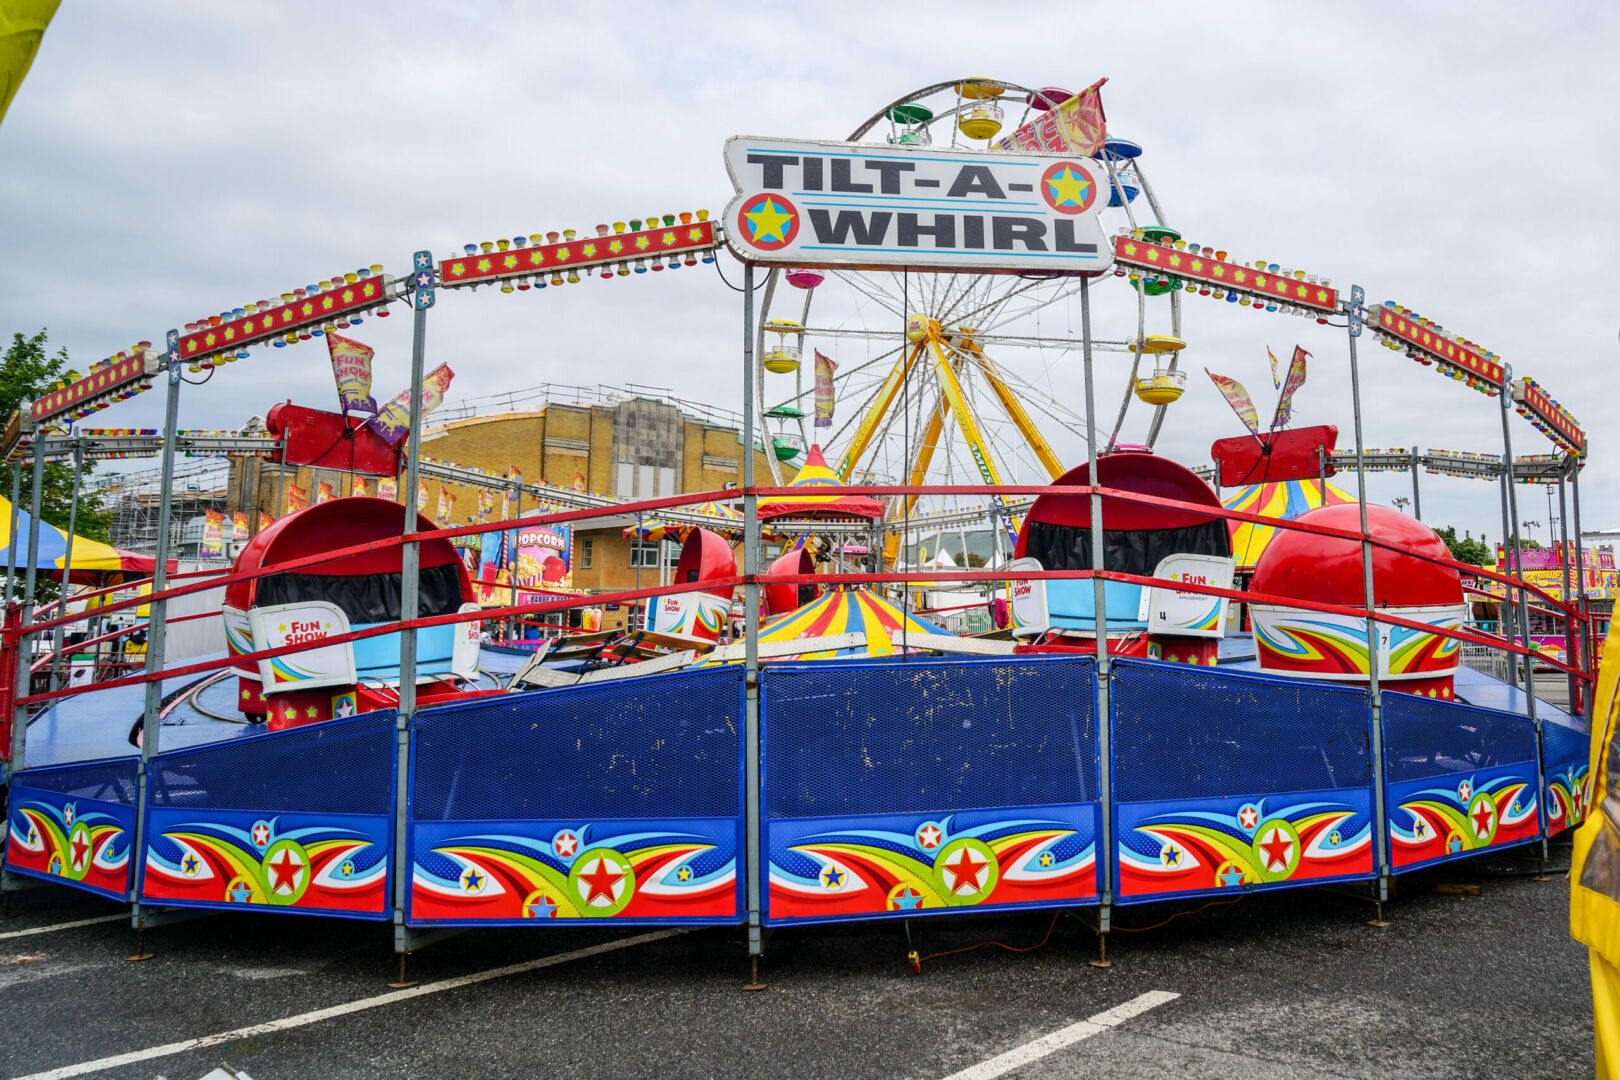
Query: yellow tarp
[[22, 25], [1594, 893]]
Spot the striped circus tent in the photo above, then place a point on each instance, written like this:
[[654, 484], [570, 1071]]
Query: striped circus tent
[[1285, 500], [816, 474], [850, 611], [91, 558]]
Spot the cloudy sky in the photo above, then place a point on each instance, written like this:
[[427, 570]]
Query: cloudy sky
[[178, 157]]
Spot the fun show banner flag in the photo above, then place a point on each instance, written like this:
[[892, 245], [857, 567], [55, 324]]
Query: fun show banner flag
[[393, 420], [486, 503], [351, 367], [421, 496], [825, 367], [360, 488], [1076, 126], [297, 498], [213, 535], [1295, 380], [447, 506], [1276, 380], [239, 526], [323, 492], [1239, 399], [387, 488], [266, 519]]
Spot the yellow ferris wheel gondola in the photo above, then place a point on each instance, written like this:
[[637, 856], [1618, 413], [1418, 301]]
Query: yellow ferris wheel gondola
[[1166, 384], [783, 359]]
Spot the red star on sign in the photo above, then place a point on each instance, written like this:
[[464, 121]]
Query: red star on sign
[[1482, 821], [600, 882], [285, 870], [965, 868], [261, 834], [929, 838], [566, 843], [80, 850], [1249, 817], [1275, 848]]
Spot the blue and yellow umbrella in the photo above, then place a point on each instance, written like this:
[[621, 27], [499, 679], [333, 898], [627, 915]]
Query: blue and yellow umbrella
[[1285, 500], [92, 560]]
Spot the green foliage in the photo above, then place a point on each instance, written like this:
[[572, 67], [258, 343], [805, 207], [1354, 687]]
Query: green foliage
[[1468, 549], [26, 373]]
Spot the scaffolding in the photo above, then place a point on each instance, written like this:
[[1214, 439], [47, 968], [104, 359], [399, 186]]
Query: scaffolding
[[132, 499]]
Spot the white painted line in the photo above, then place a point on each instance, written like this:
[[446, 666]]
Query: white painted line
[[64, 926], [85, 1068], [1019, 1056]]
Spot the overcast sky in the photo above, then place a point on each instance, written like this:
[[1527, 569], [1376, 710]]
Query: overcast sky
[[179, 157]]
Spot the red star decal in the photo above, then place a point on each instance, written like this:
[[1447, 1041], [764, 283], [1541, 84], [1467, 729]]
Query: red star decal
[[285, 870], [1275, 849], [929, 837], [1248, 817], [600, 882], [80, 849], [566, 844], [1482, 821], [965, 868]]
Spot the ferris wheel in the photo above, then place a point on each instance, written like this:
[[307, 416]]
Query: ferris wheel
[[949, 378]]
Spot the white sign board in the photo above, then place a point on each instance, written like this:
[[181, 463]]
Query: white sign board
[[802, 203], [308, 622], [1177, 613], [1030, 617], [691, 616], [464, 653]]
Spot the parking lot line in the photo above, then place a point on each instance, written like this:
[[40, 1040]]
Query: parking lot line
[[394, 997], [1078, 1031], [64, 926]]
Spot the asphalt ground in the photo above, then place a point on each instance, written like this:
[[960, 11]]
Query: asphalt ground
[[1286, 984]]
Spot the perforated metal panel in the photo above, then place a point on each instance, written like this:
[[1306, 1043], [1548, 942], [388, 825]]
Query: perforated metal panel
[[1426, 737], [910, 737], [1183, 732], [663, 746], [1565, 743], [110, 781], [337, 767]]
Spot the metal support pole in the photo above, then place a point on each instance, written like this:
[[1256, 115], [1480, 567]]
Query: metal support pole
[[1572, 643], [410, 562], [1375, 647], [1509, 557], [1321, 473], [512, 572], [19, 721], [1588, 645], [151, 723], [1105, 838], [11, 545], [752, 749], [1417, 496], [67, 560], [1518, 552]]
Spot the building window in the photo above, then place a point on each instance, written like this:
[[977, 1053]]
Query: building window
[[585, 553], [644, 553]]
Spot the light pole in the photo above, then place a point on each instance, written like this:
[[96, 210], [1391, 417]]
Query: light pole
[[1401, 502]]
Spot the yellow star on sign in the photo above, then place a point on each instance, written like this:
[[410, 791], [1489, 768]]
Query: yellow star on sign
[[1068, 189], [769, 221]]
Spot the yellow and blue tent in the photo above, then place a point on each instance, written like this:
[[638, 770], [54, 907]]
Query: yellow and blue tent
[[849, 611], [92, 560], [1285, 500]]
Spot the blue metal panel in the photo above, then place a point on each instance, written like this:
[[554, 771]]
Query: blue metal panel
[[74, 825]]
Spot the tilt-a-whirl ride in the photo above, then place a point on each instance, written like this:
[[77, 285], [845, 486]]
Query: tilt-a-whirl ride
[[1180, 697]]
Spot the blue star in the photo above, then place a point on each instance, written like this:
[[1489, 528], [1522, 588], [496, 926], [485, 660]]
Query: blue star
[[1233, 876], [1171, 856], [189, 864], [241, 893], [909, 899], [1454, 844], [832, 877], [542, 908], [472, 880]]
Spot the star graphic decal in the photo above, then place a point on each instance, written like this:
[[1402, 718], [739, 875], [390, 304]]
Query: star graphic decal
[[189, 864], [966, 869], [1171, 856], [1067, 188], [684, 874], [285, 870], [599, 883], [1276, 848], [241, 893], [1046, 858], [1454, 843], [565, 844], [1419, 830], [769, 222], [261, 835], [1232, 876], [908, 899], [929, 837], [81, 849], [1482, 821], [542, 908], [832, 877], [472, 881], [1249, 818]]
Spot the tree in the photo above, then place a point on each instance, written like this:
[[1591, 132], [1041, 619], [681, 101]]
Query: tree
[[26, 373], [1469, 550]]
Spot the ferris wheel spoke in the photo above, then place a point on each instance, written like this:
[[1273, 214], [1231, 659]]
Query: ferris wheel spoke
[[871, 291]]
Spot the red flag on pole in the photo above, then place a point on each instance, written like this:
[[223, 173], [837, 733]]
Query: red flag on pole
[[1239, 399]]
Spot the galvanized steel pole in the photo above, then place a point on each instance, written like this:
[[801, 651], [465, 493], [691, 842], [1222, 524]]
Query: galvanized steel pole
[[752, 750], [1105, 839], [67, 558]]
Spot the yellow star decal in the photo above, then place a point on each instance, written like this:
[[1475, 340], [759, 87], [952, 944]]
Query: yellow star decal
[[769, 221], [1067, 188], [282, 629]]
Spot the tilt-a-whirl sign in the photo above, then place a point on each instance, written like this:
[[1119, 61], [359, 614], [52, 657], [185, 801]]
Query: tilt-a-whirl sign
[[899, 207]]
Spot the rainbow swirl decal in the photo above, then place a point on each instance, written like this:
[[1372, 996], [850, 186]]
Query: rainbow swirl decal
[[1568, 797], [1213, 844], [895, 864], [1413, 652], [1456, 814], [682, 871], [78, 842], [307, 862], [1315, 645]]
